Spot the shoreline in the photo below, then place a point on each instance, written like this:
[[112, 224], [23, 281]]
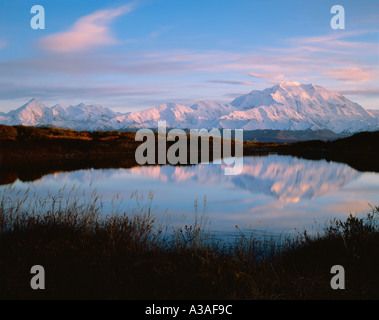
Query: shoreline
[[134, 258]]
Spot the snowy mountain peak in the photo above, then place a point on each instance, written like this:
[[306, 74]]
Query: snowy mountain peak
[[34, 99], [31, 113], [32, 104], [285, 106], [295, 106]]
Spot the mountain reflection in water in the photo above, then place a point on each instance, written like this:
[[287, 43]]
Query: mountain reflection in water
[[272, 193], [285, 178]]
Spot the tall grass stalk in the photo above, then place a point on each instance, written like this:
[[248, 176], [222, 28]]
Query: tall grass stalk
[[133, 255]]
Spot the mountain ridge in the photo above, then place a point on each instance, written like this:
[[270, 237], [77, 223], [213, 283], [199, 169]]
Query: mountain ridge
[[289, 106]]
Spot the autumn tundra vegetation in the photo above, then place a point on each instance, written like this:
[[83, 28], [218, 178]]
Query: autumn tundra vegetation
[[133, 255], [90, 254]]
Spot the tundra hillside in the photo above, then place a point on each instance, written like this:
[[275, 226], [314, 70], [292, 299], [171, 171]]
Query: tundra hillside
[[49, 150]]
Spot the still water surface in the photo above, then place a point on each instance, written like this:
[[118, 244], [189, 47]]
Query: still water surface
[[273, 193]]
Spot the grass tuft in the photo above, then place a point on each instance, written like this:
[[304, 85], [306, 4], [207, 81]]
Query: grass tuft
[[133, 256]]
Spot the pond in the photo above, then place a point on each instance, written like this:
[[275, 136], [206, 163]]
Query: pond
[[273, 194]]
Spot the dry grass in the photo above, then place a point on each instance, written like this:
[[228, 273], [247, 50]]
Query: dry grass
[[134, 256]]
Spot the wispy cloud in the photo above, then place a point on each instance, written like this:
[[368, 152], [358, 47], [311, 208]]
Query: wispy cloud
[[88, 32], [338, 43], [332, 60], [267, 76], [350, 74], [245, 83], [329, 37], [11, 90], [361, 92]]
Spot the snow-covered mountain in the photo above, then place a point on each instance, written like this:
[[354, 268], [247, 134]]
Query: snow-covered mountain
[[295, 106], [285, 106], [204, 114], [80, 117], [375, 113]]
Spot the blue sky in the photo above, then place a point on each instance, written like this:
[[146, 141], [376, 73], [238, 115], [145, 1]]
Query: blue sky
[[134, 55]]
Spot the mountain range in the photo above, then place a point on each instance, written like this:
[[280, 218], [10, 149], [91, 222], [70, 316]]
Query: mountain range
[[285, 106]]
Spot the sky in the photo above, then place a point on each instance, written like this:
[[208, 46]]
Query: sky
[[133, 55]]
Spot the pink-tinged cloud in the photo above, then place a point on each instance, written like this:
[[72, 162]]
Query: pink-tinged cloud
[[88, 32], [245, 83], [330, 37], [361, 92], [350, 74], [267, 76]]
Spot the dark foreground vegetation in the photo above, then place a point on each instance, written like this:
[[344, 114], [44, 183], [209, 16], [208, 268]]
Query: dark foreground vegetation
[[49, 150], [135, 257], [359, 151], [21, 143]]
